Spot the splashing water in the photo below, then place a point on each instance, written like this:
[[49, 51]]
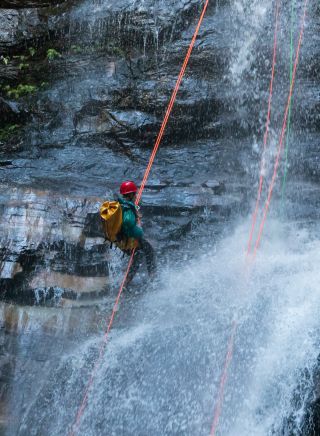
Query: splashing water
[[162, 367]]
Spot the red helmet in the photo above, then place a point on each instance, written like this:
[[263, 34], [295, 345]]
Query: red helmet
[[128, 187]]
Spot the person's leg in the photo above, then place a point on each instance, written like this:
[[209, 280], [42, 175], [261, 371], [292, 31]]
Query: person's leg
[[136, 263], [149, 254]]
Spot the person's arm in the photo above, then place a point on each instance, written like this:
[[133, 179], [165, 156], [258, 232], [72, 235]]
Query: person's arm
[[137, 232], [130, 227]]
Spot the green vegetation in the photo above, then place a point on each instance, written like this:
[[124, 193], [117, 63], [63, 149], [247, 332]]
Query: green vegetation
[[23, 66], [22, 62], [32, 51], [7, 131], [22, 58], [111, 48], [52, 54], [20, 90], [116, 51], [5, 59], [76, 49]]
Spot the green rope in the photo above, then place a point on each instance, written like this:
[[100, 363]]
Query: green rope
[[289, 113]]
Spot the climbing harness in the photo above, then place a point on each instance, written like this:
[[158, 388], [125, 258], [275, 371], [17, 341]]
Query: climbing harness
[[81, 409]]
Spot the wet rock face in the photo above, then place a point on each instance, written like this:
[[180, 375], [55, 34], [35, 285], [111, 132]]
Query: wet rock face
[[114, 70], [19, 27], [134, 23], [45, 251], [52, 245], [81, 106], [12, 112], [129, 24], [102, 74]]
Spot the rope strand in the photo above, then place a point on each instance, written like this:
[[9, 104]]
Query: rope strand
[[265, 136], [289, 116], [81, 409], [267, 204]]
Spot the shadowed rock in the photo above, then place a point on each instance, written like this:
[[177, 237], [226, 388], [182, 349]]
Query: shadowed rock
[[16, 4], [12, 112]]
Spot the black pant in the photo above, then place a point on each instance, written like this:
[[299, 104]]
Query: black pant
[[144, 250]]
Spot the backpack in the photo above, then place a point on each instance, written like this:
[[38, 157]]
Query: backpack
[[111, 214]]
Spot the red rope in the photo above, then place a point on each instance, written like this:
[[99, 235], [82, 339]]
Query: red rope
[[101, 351], [146, 175], [233, 332], [171, 103], [229, 355], [284, 125], [223, 380], [265, 136]]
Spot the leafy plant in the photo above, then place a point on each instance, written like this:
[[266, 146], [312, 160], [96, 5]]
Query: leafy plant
[[52, 54], [5, 59], [76, 49], [20, 90], [23, 66], [116, 51], [7, 131], [32, 51], [20, 57]]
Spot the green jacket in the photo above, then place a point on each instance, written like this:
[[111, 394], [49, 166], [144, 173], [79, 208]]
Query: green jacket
[[130, 229]]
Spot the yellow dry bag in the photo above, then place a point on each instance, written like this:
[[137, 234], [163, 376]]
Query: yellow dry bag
[[111, 214]]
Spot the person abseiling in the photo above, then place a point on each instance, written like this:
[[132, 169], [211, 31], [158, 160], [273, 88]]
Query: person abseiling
[[131, 234], [121, 227]]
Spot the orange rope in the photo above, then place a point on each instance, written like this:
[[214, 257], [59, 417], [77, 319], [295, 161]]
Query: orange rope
[[284, 126], [217, 410], [81, 409], [101, 351], [171, 103], [229, 355], [265, 136]]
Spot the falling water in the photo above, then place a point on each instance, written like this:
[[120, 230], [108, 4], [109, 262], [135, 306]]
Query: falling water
[[161, 370]]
